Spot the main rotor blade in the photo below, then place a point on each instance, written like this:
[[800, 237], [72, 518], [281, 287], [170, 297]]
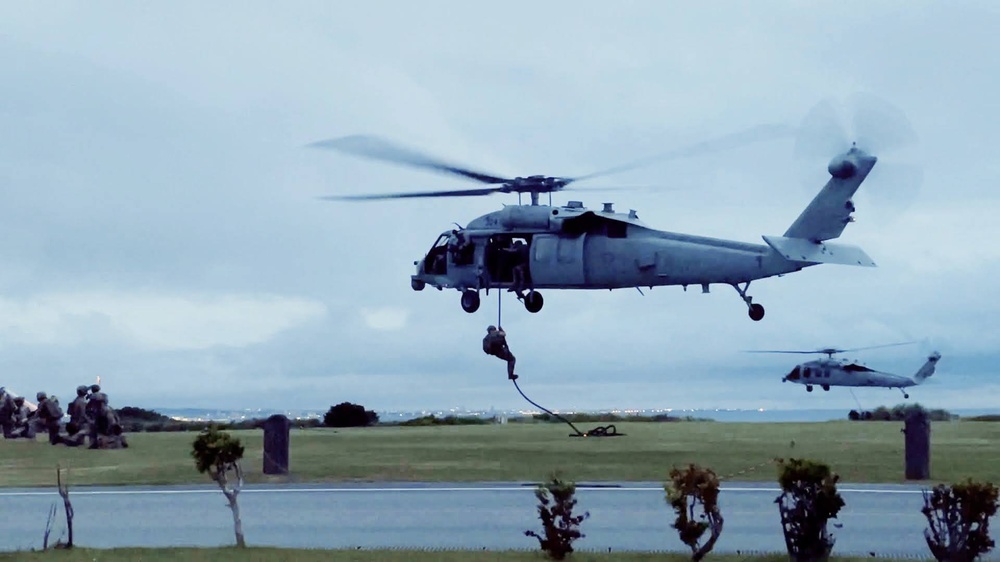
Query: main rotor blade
[[832, 350], [451, 193], [752, 135], [878, 346], [380, 149], [781, 351]]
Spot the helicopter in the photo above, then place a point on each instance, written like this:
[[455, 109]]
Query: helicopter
[[533, 246], [840, 372]]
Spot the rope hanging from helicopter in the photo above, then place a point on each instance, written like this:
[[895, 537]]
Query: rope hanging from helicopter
[[600, 431]]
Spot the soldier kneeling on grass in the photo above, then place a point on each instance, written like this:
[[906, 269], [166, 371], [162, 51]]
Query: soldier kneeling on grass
[[47, 416], [79, 424], [22, 424], [106, 430]]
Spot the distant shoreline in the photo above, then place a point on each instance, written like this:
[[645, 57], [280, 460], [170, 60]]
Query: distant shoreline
[[719, 415]]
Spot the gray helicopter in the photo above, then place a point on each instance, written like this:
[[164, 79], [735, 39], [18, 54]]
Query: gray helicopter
[[532, 247], [833, 372]]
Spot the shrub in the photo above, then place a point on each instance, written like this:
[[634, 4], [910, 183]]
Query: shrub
[[694, 495], [131, 413], [809, 499], [559, 526], [958, 519], [431, 420], [900, 412], [985, 417], [347, 414]]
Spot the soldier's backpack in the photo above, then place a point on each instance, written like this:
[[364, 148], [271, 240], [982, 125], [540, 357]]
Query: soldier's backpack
[[54, 411]]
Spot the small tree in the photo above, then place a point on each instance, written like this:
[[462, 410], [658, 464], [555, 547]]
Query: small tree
[[809, 499], [218, 453], [63, 488], [958, 517], [347, 414], [694, 495], [67, 506], [559, 526]]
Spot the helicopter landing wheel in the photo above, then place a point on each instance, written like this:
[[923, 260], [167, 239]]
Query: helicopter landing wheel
[[826, 387], [809, 388], [533, 301], [905, 395], [470, 301], [417, 284], [756, 312]]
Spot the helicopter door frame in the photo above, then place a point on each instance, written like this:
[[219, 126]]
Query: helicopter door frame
[[437, 257], [557, 260]]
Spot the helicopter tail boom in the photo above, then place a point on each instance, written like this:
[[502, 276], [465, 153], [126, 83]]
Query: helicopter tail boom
[[927, 369]]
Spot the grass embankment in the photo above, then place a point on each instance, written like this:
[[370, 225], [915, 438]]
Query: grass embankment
[[859, 452], [296, 555]]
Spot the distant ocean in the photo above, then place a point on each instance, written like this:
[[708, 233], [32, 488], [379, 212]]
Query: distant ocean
[[762, 415]]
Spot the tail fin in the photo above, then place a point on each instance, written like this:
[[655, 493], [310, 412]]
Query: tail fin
[[830, 211], [928, 368]]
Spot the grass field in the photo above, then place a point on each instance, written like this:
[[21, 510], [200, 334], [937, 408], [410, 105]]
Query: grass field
[[859, 451], [274, 554]]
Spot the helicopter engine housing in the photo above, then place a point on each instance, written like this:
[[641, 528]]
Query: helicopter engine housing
[[524, 217]]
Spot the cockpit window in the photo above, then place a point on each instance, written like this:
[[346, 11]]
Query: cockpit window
[[794, 375]]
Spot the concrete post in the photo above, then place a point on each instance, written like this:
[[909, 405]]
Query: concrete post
[[276, 444], [918, 445]]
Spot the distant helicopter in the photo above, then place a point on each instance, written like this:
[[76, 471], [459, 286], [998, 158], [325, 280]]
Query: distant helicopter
[[833, 372], [531, 247]]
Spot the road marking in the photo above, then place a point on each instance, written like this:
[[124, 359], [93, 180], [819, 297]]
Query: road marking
[[77, 492]]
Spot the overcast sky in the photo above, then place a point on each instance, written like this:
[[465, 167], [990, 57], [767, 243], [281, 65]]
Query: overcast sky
[[160, 227]]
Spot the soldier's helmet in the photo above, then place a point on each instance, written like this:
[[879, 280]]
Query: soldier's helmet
[[40, 396], [19, 401], [82, 389], [95, 388], [491, 329]]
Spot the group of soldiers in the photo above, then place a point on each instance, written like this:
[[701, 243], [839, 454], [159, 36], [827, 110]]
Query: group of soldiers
[[91, 419]]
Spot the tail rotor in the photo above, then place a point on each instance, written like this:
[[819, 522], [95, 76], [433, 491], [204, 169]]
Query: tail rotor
[[869, 123]]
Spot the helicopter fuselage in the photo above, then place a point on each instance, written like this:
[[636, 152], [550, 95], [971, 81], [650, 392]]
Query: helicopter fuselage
[[829, 372], [575, 248]]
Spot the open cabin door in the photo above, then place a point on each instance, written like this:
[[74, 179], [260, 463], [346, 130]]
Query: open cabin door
[[557, 260]]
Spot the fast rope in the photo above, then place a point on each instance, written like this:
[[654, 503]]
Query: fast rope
[[600, 431]]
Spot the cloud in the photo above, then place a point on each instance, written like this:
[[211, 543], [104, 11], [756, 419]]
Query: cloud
[[151, 321], [385, 319]]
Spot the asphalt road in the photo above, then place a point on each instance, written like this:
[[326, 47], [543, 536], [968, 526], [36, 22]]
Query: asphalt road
[[632, 516]]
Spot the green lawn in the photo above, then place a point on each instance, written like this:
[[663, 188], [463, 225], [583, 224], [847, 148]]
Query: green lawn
[[859, 451], [275, 554]]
